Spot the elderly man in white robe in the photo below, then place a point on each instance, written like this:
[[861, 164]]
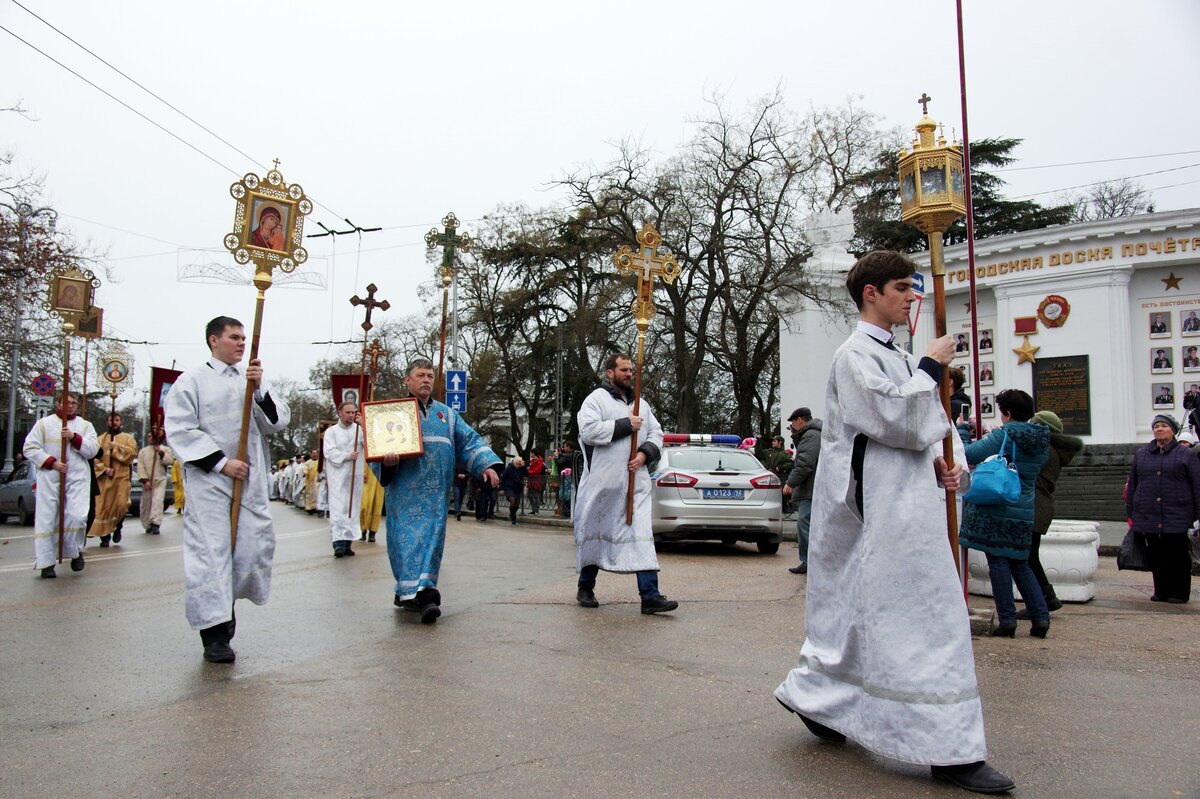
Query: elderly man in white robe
[[345, 472], [602, 538], [887, 661], [43, 448], [203, 423]]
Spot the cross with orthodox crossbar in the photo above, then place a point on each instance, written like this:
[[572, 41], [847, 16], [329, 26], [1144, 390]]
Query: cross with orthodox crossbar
[[371, 304], [448, 240], [924, 100], [646, 264]]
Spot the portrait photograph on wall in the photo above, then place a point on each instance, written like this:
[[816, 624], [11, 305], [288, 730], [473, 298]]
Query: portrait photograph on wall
[[1160, 325], [1161, 360], [1189, 323], [987, 375], [987, 405], [1191, 358], [1162, 395], [961, 345], [985, 341]]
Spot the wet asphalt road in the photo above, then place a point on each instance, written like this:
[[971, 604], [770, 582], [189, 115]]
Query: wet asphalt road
[[518, 692]]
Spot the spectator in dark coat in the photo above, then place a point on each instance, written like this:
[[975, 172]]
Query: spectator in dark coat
[[1005, 532], [512, 483], [960, 404], [1163, 501], [1063, 449], [806, 440]]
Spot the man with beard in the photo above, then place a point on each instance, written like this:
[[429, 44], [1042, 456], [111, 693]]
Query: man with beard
[[602, 538], [416, 489], [43, 446], [117, 452], [344, 473]]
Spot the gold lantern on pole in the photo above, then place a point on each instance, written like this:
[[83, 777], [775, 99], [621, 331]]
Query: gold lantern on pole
[[931, 199]]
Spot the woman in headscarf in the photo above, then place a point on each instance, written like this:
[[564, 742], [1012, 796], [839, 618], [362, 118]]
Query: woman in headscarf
[[1162, 501]]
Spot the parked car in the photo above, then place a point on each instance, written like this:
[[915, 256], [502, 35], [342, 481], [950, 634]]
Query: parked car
[[707, 489], [18, 494], [135, 496]]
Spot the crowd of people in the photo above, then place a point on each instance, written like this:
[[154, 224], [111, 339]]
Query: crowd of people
[[887, 660]]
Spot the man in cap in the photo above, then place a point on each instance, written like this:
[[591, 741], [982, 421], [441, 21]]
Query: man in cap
[[806, 441]]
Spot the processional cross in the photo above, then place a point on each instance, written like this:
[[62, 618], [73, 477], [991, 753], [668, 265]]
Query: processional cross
[[647, 264], [370, 303], [449, 241], [374, 353], [924, 101]]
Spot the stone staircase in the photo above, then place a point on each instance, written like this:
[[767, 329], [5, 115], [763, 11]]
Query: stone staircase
[[1091, 485]]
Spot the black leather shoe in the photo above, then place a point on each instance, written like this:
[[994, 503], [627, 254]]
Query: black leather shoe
[[587, 598], [430, 613], [337, 549], [104, 539], [348, 550], [1040, 629], [116, 539], [219, 652], [371, 537], [363, 537], [660, 604], [816, 728], [1157, 598], [978, 777], [48, 573], [1174, 600], [801, 569], [1005, 631], [77, 563]]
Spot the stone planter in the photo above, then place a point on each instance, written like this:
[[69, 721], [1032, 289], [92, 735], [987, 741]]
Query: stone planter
[[1069, 554]]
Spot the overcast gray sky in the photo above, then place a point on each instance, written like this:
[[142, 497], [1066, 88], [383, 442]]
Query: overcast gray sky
[[393, 113]]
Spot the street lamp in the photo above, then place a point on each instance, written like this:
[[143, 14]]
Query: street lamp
[[931, 198]]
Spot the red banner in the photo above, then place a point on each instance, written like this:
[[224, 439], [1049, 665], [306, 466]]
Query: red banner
[[161, 381], [346, 388]]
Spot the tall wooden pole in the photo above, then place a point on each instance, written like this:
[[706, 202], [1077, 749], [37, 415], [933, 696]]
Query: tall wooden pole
[[68, 329], [370, 303], [937, 267], [262, 282], [637, 409]]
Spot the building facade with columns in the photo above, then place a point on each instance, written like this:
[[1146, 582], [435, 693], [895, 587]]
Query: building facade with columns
[[1099, 321]]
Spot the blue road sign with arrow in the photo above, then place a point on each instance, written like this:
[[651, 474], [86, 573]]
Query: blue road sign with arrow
[[456, 390]]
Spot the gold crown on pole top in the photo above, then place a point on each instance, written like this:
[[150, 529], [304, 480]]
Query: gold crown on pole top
[[931, 178]]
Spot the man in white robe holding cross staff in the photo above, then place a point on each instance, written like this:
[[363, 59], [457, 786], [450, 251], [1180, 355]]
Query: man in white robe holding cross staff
[[613, 530]]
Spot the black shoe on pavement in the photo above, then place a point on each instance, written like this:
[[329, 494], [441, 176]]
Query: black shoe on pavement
[[1005, 631], [428, 601], [337, 549], [371, 537], [1053, 603], [801, 569], [347, 550], [978, 777], [816, 728], [587, 598], [219, 652], [48, 573], [1174, 600], [116, 539], [659, 604], [77, 563], [104, 539], [1157, 598], [363, 537]]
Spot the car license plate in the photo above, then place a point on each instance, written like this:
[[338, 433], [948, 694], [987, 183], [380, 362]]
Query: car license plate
[[723, 493]]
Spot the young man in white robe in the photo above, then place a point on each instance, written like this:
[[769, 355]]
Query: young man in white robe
[[203, 424], [345, 473], [602, 538], [43, 448], [887, 661]]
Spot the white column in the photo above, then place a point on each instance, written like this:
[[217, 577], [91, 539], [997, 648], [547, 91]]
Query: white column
[[1120, 347]]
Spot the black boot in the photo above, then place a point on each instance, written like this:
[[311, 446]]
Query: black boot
[[48, 573], [587, 598], [77, 563], [337, 549], [512, 515], [104, 539], [429, 601], [370, 536], [363, 537]]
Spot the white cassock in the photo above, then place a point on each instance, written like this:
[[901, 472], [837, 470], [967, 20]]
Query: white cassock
[[43, 443], [602, 538], [887, 660], [299, 483], [343, 493], [322, 492], [204, 416]]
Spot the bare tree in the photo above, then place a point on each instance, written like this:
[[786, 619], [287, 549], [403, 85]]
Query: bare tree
[[1110, 199]]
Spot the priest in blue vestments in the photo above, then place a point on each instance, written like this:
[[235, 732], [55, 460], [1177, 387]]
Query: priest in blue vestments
[[416, 490]]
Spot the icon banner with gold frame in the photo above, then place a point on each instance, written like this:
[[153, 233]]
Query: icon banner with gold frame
[[393, 427], [268, 222]]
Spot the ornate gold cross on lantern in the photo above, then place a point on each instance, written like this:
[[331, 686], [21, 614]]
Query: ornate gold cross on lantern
[[449, 241], [647, 264]]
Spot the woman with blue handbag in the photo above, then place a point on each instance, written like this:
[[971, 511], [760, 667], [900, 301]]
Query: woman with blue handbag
[[998, 510]]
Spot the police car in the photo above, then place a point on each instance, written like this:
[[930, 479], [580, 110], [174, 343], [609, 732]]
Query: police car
[[707, 489]]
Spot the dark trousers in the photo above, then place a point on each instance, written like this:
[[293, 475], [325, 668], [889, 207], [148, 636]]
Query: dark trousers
[[1171, 565], [647, 581], [1035, 565]]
